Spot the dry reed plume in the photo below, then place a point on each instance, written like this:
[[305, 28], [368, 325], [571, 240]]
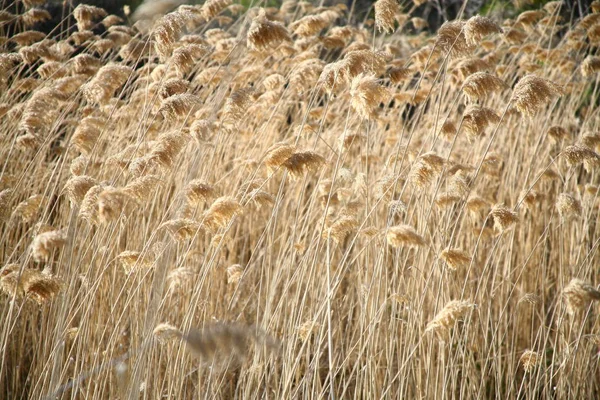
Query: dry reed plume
[[282, 201]]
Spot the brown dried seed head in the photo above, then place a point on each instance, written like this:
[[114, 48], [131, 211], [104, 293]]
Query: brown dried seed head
[[445, 320], [221, 212], [166, 332], [111, 203], [531, 93], [87, 133], [184, 57], [366, 95], [28, 209], [234, 274], [179, 106], [300, 162], [385, 15], [261, 198], [182, 229], [264, 34], [89, 205], [6, 196], [530, 360], [590, 66], [404, 235], [481, 84], [197, 192], [476, 119], [212, 8], [140, 189], [166, 32], [578, 294], [133, 261], [557, 133], [236, 106], [504, 218], [455, 258], [85, 15], [277, 155], [427, 167], [39, 286], [448, 130], [477, 27], [591, 140], [309, 25], [451, 38], [44, 243], [577, 154], [341, 228], [568, 206]]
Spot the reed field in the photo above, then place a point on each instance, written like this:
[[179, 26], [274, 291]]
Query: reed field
[[248, 202]]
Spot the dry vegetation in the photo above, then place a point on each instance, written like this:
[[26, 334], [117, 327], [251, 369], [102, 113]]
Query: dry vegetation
[[236, 203]]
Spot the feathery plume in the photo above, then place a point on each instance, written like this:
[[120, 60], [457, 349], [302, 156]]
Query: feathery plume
[[302, 161], [568, 206], [221, 212], [165, 332], [366, 95], [590, 66], [85, 15], [77, 187], [404, 235], [28, 209], [264, 33], [578, 294], [182, 229], [477, 27], [532, 92], [530, 360], [577, 154], [481, 84], [451, 38], [197, 192], [89, 205], [455, 258], [212, 8], [341, 228], [44, 243], [446, 319], [476, 119], [504, 218], [385, 14], [179, 106], [29, 283]]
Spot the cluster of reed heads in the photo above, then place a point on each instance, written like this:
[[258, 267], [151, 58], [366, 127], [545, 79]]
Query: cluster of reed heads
[[273, 202]]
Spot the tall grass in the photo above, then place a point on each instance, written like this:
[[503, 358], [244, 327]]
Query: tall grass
[[272, 203]]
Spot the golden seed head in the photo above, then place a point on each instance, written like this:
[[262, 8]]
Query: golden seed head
[[264, 34], [532, 92], [481, 84], [404, 235], [504, 218], [477, 27], [530, 360], [578, 294], [455, 258], [568, 206], [366, 95], [385, 15], [44, 243], [166, 332], [446, 319]]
